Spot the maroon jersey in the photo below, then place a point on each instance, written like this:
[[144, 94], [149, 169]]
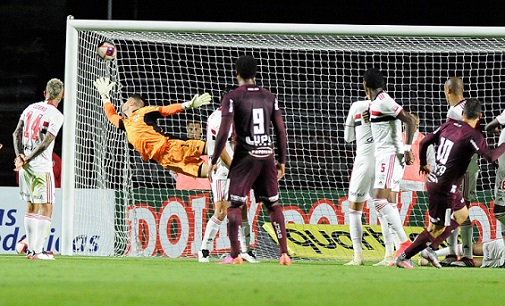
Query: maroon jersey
[[456, 143], [252, 108]]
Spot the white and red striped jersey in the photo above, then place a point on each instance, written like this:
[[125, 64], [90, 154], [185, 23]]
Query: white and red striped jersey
[[357, 129], [386, 128], [501, 160], [39, 119], [455, 112], [213, 124]]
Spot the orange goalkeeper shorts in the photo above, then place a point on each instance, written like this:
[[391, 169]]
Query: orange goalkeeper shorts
[[182, 156]]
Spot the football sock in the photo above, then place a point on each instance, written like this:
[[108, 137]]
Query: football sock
[[279, 225], [452, 242], [30, 221], [42, 230], [466, 238], [392, 216], [395, 237], [356, 231], [245, 236], [234, 221], [210, 233], [446, 251], [389, 245], [420, 243]]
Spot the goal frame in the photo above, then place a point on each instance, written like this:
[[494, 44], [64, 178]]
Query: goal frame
[[71, 64]]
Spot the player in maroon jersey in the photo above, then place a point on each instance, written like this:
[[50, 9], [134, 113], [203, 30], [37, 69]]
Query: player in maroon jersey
[[251, 109], [457, 142]]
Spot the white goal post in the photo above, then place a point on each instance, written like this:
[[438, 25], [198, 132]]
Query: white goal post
[[114, 204]]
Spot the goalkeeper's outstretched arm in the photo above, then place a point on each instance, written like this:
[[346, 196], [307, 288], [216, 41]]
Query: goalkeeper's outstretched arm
[[104, 86], [112, 115], [197, 101]]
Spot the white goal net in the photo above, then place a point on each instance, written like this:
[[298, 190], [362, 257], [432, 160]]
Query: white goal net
[[117, 204]]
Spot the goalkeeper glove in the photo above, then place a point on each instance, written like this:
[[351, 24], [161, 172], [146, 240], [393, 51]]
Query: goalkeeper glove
[[104, 87], [197, 101]]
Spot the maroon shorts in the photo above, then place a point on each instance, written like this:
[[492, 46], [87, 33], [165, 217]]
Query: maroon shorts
[[259, 174], [443, 201]]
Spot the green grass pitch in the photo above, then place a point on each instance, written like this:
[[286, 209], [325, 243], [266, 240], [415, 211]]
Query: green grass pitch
[[162, 281]]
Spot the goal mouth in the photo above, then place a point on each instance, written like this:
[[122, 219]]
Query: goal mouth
[[116, 204]]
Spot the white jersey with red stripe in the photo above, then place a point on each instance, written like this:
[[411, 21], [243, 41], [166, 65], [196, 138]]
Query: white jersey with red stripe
[[493, 253], [386, 128], [499, 197], [213, 124], [455, 112], [362, 174], [39, 119], [357, 129], [501, 160]]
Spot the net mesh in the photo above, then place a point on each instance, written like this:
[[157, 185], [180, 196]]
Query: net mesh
[[316, 78]]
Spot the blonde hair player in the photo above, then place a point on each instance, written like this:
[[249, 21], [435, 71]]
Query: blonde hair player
[[33, 137]]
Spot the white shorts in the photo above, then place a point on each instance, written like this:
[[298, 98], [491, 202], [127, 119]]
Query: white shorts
[[494, 253], [388, 172], [412, 185], [36, 187], [362, 176], [220, 190]]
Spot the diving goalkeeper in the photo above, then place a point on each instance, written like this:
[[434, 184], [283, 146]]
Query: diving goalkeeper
[[146, 136]]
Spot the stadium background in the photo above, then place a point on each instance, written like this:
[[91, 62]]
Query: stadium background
[[35, 52], [33, 35]]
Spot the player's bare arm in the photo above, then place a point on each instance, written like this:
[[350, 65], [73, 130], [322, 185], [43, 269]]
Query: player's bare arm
[[212, 170], [430, 139], [226, 159], [425, 169], [17, 136], [410, 128], [281, 170], [22, 160], [493, 126], [18, 146], [366, 116]]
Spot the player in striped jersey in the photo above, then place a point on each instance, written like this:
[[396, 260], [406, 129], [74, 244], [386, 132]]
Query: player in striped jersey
[[362, 175], [453, 90], [33, 144], [219, 187], [391, 154], [146, 136], [499, 196]]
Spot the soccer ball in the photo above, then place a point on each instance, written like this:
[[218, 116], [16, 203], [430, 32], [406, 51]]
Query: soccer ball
[[106, 51], [21, 246]]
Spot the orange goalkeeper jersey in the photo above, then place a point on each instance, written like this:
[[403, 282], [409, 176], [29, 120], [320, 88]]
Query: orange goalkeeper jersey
[[142, 129]]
